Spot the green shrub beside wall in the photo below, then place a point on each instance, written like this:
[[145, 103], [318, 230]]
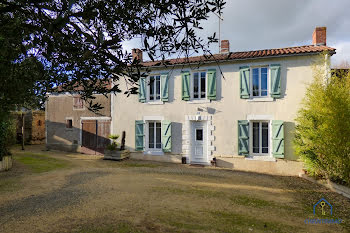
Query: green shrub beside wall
[[322, 138], [7, 134]]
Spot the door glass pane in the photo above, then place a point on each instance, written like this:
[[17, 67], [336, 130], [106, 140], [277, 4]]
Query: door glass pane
[[157, 88], [199, 134], [265, 137], [203, 85], [255, 137], [264, 81], [195, 86], [151, 134], [151, 88], [256, 82], [158, 135]]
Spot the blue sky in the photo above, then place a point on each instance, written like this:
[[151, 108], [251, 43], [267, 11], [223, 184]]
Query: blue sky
[[257, 24]]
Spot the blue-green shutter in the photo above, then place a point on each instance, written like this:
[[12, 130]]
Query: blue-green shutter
[[244, 73], [243, 137], [185, 85], [211, 82], [139, 135], [278, 139], [142, 90], [275, 71], [165, 87], [166, 136]]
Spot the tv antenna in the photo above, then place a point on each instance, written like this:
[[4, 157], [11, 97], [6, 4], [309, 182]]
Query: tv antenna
[[220, 19]]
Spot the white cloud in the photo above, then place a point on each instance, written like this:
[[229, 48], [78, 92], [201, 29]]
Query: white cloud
[[342, 53], [256, 24]]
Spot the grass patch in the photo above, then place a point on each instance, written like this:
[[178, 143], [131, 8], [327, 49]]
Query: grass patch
[[250, 201], [39, 163], [235, 222], [122, 227], [235, 199], [9, 184]]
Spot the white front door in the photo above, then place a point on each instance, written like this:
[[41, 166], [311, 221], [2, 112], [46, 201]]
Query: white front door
[[199, 142]]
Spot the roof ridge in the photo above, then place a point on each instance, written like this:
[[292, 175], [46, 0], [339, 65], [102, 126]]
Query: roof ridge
[[247, 54]]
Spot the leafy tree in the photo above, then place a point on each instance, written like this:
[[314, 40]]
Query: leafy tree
[[322, 138], [46, 43]]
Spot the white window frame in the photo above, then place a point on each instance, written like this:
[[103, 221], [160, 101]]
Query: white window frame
[[260, 137], [148, 90], [152, 151], [78, 109], [265, 157], [201, 100], [251, 82]]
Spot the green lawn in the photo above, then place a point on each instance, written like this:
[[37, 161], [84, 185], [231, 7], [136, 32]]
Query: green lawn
[[39, 163]]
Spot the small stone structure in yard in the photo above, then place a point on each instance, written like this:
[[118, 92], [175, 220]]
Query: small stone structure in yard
[[6, 163], [116, 155], [34, 127]]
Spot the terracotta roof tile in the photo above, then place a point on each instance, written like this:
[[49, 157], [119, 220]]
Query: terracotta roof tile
[[307, 49]]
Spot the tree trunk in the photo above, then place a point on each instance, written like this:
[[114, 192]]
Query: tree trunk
[[22, 131]]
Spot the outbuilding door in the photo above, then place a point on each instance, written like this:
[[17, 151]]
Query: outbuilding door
[[95, 136]]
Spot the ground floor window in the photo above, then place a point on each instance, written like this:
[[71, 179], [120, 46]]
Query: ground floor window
[[154, 135], [260, 137]]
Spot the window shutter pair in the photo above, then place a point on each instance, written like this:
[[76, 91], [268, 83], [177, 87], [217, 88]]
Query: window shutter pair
[[164, 92], [166, 136], [277, 138], [211, 85], [275, 76]]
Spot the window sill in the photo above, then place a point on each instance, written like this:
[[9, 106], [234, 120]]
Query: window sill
[[203, 101], [265, 158], [153, 152], [261, 99], [155, 102]]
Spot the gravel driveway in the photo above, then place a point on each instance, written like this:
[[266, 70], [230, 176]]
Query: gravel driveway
[[93, 195]]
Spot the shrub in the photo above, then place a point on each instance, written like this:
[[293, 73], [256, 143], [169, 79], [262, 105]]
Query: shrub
[[322, 138], [7, 135], [114, 144]]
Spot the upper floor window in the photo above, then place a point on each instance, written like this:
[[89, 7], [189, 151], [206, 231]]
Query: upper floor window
[[78, 103], [199, 85], [259, 82], [263, 81], [154, 88]]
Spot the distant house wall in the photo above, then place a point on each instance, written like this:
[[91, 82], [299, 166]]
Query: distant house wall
[[59, 109]]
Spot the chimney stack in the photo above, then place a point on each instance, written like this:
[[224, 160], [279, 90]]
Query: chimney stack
[[319, 37], [137, 54], [225, 46]]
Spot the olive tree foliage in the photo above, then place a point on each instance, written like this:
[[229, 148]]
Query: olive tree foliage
[[78, 43], [322, 138]]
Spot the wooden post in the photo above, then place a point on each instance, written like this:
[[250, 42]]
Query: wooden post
[[122, 146], [22, 131]]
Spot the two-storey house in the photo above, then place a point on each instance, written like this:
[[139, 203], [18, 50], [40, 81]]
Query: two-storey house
[[238, 107]]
